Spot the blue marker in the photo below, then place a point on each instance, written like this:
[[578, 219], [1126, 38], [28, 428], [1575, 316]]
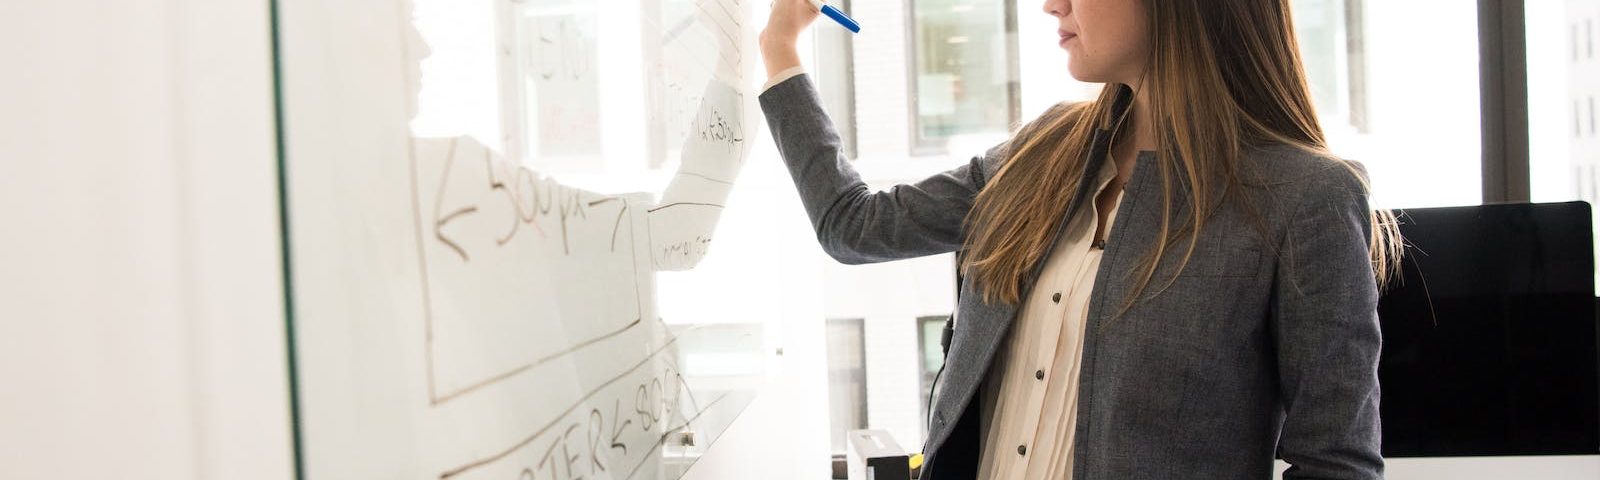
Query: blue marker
[[836, 15]]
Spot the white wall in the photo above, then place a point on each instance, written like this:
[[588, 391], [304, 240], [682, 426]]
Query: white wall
[[143, 322]]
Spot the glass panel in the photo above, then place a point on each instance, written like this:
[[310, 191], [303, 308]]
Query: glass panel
[[964, 73], [1563, 86], [481, 194], [1398, 95]]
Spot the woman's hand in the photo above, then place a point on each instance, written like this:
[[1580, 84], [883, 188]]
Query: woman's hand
[[788, 19]]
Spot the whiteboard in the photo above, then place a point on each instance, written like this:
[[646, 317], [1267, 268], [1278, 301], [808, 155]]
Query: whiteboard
[[480, 195]]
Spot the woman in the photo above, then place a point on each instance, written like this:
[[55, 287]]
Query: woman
[[1175, 280]]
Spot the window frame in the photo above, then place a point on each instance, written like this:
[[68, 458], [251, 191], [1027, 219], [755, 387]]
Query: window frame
[[1503, 100]]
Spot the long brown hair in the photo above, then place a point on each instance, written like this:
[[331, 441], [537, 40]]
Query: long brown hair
[[1223, 76]]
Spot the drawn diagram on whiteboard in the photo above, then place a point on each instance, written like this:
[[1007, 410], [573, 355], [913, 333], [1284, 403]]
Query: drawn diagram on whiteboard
[[541, 294]]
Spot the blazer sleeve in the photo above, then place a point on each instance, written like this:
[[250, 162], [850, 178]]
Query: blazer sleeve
[[855, 225], [1326, 329]]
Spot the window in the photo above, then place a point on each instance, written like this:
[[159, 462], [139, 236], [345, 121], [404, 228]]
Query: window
[[1398, 95], [847, 379], [1562, 167], [964, 70]]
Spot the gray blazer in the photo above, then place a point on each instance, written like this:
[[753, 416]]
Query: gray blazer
[[1246, 355]]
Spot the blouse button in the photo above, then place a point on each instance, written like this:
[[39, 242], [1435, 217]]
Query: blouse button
[[1038, 374], [1056, 298], [1022, 449]]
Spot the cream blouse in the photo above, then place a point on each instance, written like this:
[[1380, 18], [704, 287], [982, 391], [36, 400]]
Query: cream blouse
[[1030, 399]]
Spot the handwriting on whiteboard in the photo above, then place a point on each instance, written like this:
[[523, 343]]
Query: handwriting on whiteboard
[[613, 431], [529, 199], [525, 277], [715, 128]]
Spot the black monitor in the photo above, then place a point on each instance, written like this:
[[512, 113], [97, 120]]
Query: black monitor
[[1489, 339]]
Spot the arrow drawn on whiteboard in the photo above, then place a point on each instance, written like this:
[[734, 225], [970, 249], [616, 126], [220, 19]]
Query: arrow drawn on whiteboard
[[663, 439], [440, 221], [438, 230], [618, 224], [617, 428]]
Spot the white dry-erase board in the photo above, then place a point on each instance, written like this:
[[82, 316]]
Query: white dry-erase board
[[479, 196]]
